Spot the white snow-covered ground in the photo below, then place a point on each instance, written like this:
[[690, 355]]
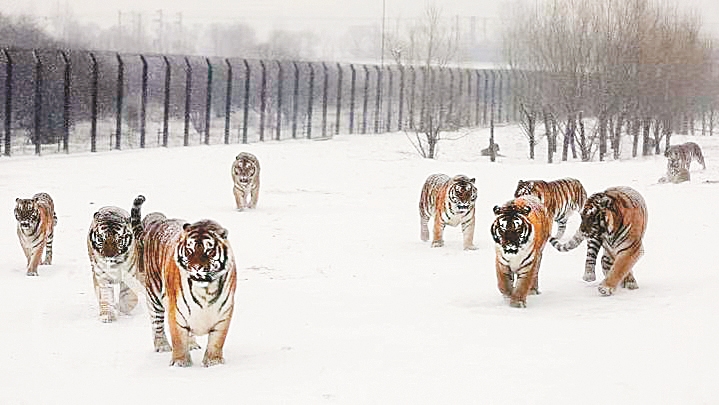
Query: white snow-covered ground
[[340, 302]]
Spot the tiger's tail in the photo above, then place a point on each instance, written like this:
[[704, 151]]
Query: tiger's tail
[[136, 217], [572, 243]]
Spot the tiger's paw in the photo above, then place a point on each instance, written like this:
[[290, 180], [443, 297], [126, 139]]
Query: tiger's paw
[[534, 291], [589, 277], [31, 273], [181, 362], [437, 243], [210, 361], [518, 303], [605, 290], [630, 284], [107, 317], [162, 345]]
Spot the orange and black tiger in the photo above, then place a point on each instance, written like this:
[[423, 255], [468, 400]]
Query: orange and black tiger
[[114, 255], [561, 198], [451, 202], [615, 220], [682, 155], [246, 180], [520, 232], [190, 276], [36, 220]]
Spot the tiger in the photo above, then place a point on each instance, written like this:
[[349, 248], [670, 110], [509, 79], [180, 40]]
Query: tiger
[[675, 174], [36, 220], [614, 219], [451, 202], [561, 198], [520, 231], [681, 156], [190, 273], [246, 179], [114, 255]]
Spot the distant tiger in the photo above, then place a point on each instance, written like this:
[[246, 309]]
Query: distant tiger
[[246, 179], [675, 174], [520, 232], [451, 202], [36, 222], [190, 275], [681, 156], [615, 220], [561, 198], [114, 255]]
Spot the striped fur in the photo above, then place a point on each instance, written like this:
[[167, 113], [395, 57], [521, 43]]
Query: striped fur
[[681, 156], [191, 276], [615, 220], [561, 198], [451, 202], [114, 254], [520, 231], [36, 220], [246, 180], [675, 174]]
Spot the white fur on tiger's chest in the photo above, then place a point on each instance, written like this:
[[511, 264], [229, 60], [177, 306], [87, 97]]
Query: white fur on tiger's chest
[[204, 306], [112, 272], [517, 260]]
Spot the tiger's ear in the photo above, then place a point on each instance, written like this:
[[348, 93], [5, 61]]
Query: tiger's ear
[[525, 210], [186, 225], [472, 180], [96, 215], [223, 233], [17, 200], [496, 209]]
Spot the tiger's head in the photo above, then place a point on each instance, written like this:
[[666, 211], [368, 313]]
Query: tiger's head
[[524, 188], [111, 235], [511, 228], [596, 214], [27, 213], [244, 169], [462, 193], [203, 250]]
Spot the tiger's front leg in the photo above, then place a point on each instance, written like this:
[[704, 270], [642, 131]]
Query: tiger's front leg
[[33, 259], [254, 195], [105, 299], [437, 240], [505, 279], [526, 277], [215, 343], [620, 271], [180, 342], [240, 198], [468, 233]]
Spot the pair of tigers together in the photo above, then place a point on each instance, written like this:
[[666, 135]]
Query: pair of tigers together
[[186, 270], [614, 219], [679, 158]]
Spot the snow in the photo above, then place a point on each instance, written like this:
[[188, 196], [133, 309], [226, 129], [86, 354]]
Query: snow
[[339, 301]]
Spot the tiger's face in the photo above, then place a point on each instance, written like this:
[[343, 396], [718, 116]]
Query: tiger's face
[[202, 251], [27, 214], [595, 215], [111, 240], [244, 170], [524, 188], [511, 229], [462, 194]]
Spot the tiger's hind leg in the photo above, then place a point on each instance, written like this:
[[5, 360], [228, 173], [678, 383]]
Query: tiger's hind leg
[[128, 299], [156, 308], [629, 282], [593, 246], [423, 228], [619, 272], [48, 247], [437, 240], [254, 195]]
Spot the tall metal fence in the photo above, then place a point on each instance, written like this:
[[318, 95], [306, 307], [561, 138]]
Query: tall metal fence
[[60, 101]]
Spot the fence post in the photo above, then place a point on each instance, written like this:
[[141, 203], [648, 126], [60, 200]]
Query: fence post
[[8, 103], [460, 96], [468, 99], [450, 107], [295, 99], [389, 99], [353, 82], [486, 95], [38, 101], [400, 107], [143, 101], [166, 110], [245, 107], [492, 156], [500, 98], [324, 99], [278, 128], [228, 101], [478, 81], [66, 103], [378, 100], [208, 102], [366, 95], [93, 105], [263, 98], [188, 93], [339, 99], [310, 100], [120, 95]]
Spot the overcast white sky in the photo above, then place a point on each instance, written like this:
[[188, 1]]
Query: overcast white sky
[[298, 14]]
